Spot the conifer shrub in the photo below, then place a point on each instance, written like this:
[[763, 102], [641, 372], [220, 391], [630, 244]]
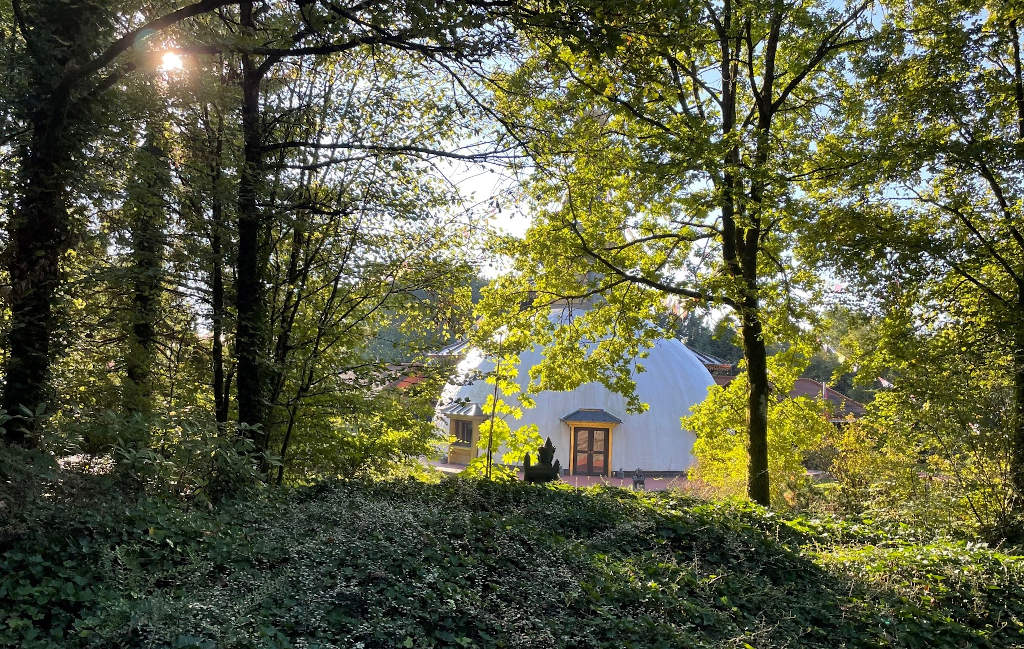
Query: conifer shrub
[[544, 470]]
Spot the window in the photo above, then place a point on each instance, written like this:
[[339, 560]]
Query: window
[[463, 432]]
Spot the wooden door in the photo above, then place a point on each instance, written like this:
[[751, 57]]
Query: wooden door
[[591, 451]]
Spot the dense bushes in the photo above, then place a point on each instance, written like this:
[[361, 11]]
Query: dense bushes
[[474, 564]]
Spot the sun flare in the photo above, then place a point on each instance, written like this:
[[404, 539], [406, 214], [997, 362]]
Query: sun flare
[[171, 62]]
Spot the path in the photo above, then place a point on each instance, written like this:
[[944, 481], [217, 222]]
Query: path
[[650, 484]]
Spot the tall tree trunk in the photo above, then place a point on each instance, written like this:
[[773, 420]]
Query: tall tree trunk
[[1017, 450], [250, 341], [1017, 447], [740, 261], [755, 353], [220, 388], [749, 242], [39, 236], [220, 393], [145, 207]]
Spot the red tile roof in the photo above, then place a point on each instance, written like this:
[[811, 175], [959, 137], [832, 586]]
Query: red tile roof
[[406, 381], [842, 404]]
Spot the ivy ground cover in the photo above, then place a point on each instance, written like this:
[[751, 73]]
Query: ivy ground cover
[[473, 564]]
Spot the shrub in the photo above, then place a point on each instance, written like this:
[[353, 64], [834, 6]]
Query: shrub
[[544, 470], [795, 428]]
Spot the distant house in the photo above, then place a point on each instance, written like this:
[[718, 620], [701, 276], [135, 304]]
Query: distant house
[[590, 426], [842, 406], [723, 372]]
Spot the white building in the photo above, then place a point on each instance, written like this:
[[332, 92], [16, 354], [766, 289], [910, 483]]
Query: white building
[[592, 432]]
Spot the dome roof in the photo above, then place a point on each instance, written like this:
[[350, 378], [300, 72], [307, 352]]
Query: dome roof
[[674, 380]]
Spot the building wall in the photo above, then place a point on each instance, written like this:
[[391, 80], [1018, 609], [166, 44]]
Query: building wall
[[458, 454]]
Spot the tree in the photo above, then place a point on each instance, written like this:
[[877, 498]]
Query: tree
[[496, 432], [449, 28], [663, 135], [926, 224], [68, 56], [146, 214], [842, 333], [717, 339], [796, 426], [207, 131]]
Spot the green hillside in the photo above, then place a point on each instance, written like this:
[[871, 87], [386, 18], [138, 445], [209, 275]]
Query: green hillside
[[471, 564]]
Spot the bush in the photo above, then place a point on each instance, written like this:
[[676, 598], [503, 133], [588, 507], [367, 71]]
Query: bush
[[177, 455], [191, 460], [544, 470], [796, 428]]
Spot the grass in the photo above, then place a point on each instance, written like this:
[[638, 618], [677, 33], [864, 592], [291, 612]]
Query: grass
[[471, 564]]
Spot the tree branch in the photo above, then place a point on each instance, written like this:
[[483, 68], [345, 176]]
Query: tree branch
[[638, 279], [824, 48], [129, 40], [381, 148]]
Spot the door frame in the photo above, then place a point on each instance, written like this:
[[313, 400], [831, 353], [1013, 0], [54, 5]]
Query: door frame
[[604, 425]]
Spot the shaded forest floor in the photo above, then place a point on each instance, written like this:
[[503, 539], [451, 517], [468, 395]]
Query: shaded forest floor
[[471, 564]]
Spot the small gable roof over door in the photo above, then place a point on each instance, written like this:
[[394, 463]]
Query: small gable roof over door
[[591, 415]]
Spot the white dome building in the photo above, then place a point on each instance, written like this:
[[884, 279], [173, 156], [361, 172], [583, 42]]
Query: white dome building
[[592, 432]]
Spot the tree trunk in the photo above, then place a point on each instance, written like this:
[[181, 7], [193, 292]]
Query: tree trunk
[[741, 250], [145, 207], [220, 392], [749, 242], [1017, 451], [39, 236], [250, 340], [740, 260], [1017, 447], [755, 353]]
